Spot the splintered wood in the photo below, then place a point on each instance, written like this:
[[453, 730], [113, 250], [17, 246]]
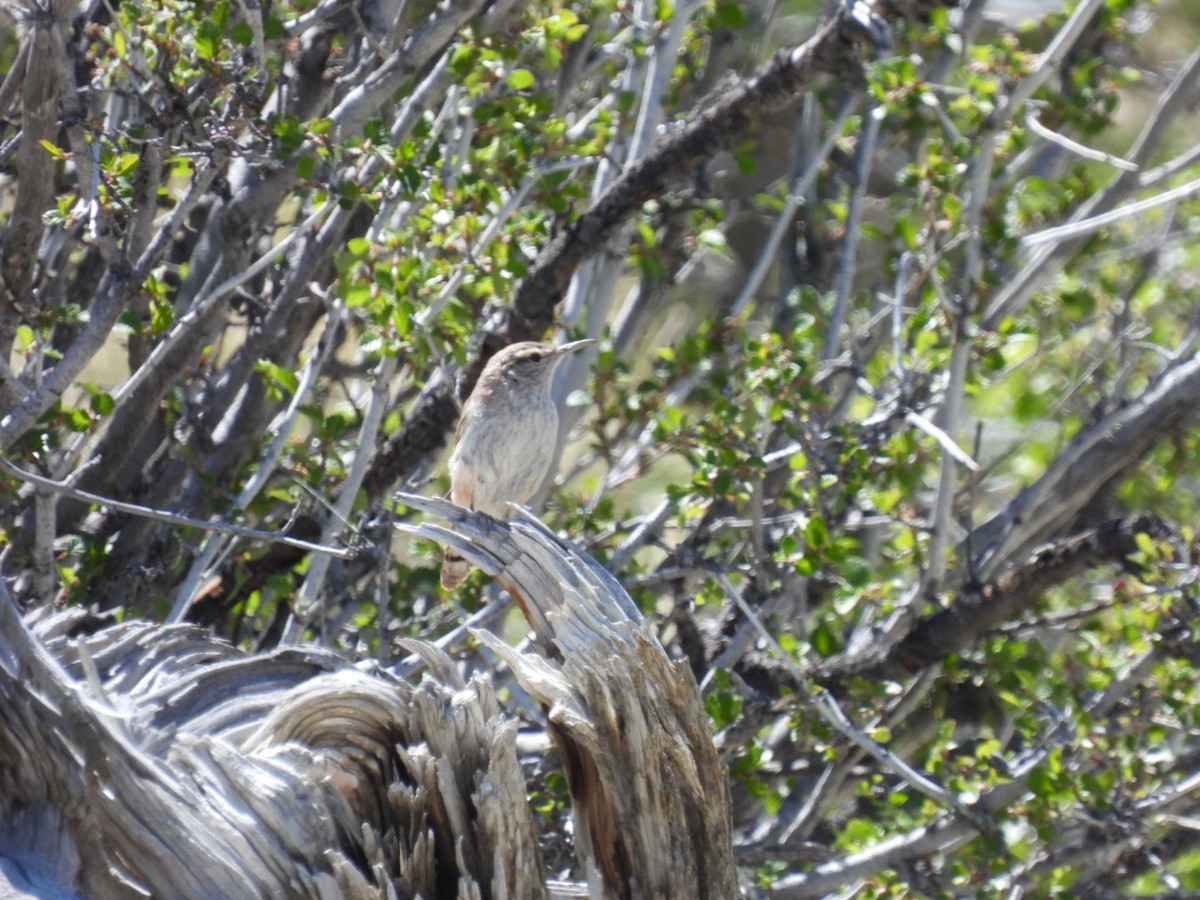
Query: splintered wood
[[146, 760]]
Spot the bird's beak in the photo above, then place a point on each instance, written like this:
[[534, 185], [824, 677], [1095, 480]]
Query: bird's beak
[[576, 345]]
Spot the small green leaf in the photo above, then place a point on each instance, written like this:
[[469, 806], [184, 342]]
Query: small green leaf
[[1041, 782], [162, 315], [102, 404], [281, 377], [732, 14], [54, 151], [243, 34], [521, 79], [825, 641], [77, 419]]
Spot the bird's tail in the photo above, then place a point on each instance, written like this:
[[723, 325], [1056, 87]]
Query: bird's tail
[[454, 570]]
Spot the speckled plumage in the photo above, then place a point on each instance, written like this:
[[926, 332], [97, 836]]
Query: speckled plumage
[[505, 442]]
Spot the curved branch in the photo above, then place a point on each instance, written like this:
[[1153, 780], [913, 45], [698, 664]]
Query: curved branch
[[1094, 456], [616, 705], [981, 608]]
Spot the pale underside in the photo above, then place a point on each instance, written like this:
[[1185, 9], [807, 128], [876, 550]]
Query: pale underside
[[504, 457]]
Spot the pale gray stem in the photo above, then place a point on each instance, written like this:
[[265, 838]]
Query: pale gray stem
[[799, 190], [217, 544], [844, 283], [307, 602]]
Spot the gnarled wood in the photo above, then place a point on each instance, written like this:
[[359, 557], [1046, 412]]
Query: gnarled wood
[[138, 759], [652, 812], [142, 759]]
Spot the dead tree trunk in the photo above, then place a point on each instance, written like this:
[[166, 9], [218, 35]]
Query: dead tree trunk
[[147, 760], [652, 813]]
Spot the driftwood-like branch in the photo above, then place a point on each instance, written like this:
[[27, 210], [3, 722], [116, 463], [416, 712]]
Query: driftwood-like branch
[[148, 760], [652, 814], [156, 760]]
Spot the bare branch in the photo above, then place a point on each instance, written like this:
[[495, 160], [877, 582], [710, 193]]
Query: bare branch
[[171, 518], [1094, 456]]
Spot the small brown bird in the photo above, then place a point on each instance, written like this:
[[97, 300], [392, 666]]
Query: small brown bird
[[505, 440]]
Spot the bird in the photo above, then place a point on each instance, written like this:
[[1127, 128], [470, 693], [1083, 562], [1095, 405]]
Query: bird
[[505, 440]]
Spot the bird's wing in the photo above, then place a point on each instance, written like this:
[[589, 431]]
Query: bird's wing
[[462, 485]]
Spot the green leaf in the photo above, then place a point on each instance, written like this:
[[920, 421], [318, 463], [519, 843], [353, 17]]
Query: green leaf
[[162, 315], [306, 166], [122, 164], [521, 79], [376, 131], [825, 641], [816, 532], [242, 34], [208, 39], [102, 404], [1041, 782], [77, 419], [53, 150], [281, 377], [732, 14]]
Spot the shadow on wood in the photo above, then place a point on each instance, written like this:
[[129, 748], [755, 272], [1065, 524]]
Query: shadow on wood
[[147, 760]]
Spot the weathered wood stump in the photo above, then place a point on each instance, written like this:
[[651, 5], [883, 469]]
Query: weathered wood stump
[[147, 760]]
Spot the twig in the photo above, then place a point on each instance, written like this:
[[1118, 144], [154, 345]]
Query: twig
[[44, 527], [1093, 224], [1075, 147], [944, 440], [170, 518], [310, 591], [265, 469], [1169, 168], [864, 156], [649, 527], [898, 293]]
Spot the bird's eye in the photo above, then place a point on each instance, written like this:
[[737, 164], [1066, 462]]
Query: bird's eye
[[536, 356]]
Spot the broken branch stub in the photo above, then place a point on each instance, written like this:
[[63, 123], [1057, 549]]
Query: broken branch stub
[[651, 804]]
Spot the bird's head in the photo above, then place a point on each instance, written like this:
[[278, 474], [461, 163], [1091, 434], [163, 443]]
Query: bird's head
[[530, 362]]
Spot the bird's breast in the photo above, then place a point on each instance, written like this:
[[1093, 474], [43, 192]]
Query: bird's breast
[[505, 449]]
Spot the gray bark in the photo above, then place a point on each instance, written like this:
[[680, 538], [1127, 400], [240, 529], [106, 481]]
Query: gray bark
[[147, 759]]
